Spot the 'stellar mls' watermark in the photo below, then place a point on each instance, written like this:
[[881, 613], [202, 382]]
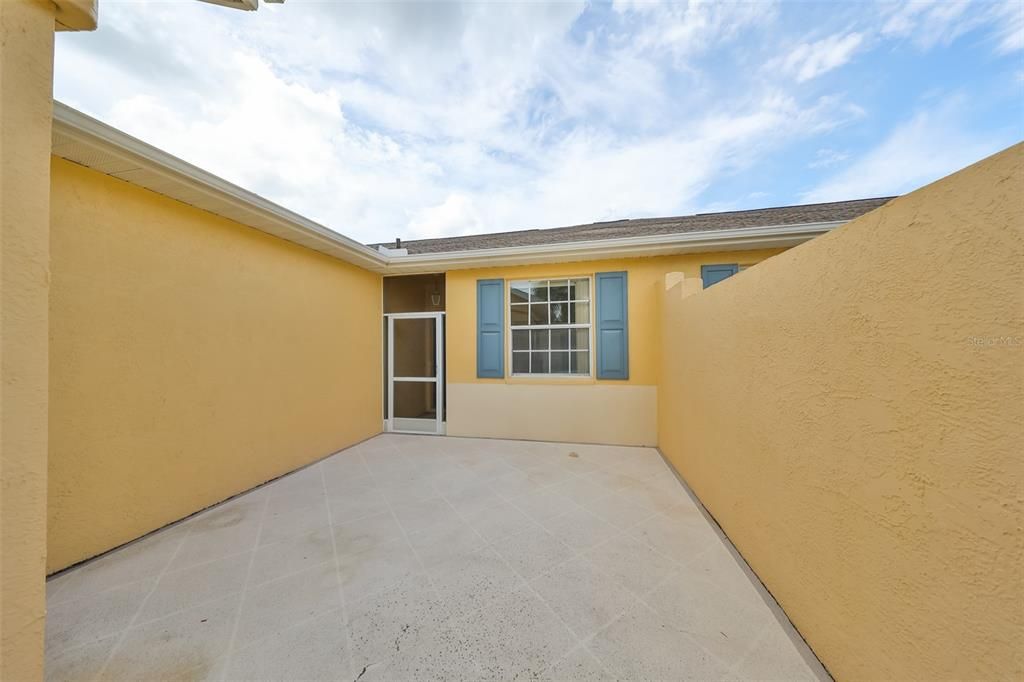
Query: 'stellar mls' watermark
[[995, 341]]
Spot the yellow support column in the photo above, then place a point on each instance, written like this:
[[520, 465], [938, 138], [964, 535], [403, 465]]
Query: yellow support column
[[26, 86], [26, 104]]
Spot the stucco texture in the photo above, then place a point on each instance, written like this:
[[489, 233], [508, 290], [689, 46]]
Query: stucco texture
[[75, 15], [26, 78], [562, 408], [850, 412], [192, 358]]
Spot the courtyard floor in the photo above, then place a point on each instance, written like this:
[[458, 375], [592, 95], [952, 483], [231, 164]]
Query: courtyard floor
[[419, 557]]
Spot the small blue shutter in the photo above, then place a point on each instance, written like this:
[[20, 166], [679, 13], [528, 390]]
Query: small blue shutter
[[490, 328], [612, 326], [713, 274]]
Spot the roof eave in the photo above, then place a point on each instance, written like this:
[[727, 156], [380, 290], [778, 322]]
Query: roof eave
[[740, 239], [84, 140], [184, 182]]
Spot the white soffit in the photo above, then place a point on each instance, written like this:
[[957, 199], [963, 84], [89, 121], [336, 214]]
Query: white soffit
[[88, 142]]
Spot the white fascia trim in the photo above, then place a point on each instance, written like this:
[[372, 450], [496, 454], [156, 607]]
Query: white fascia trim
[[87, 130], [775, 236], [78, 126]]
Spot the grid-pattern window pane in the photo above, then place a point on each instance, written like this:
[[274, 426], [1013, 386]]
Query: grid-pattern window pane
[[519, 294], [560, 339], [550, 326]]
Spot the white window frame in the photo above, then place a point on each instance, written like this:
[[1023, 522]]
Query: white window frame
[[509, 283]]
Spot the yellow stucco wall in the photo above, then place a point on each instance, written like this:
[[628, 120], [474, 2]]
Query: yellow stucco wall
[[191, 358], [75, 15], [850, 412], [566, 408], [26, 82]]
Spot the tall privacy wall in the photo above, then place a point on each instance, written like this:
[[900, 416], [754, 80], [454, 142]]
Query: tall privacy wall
[[851, 413], [191, 359]]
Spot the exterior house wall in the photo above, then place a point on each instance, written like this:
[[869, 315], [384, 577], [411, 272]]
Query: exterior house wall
[[192, 359], [850, 412], [26, 84], [574, 409]]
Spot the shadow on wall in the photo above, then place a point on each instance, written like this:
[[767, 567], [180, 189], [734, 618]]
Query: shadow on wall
[[850, 412]]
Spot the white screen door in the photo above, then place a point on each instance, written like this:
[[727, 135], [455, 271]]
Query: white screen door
[[416, 372]]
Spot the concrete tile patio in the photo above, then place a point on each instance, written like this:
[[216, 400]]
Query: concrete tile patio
[[419, 557]]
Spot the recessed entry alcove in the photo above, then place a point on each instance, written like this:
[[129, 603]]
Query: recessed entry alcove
[[414, 325]]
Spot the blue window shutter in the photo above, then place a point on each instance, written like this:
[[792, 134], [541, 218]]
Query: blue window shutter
[[612, 326], [713, 274], [490, 328]]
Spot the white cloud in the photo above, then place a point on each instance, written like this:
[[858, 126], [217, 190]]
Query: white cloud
[[810, 60], [456, 215], [419, 105], [1009, 26], [930, 23], [928, 146], [408, 119], [591, 176], [288, 142], [824, 158], [414, 119], [689, 28]]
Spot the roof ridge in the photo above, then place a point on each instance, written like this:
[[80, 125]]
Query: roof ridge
[[779, 208], [636, 221]]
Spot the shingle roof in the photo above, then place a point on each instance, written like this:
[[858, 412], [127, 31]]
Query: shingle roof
[[701, 222]]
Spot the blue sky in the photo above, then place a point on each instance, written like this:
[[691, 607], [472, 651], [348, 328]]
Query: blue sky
[[420, 120]]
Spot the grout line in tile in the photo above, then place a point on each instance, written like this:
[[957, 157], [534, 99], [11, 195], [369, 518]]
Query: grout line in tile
[[551, 518], [229, 651], [337, 572], [188, 520], [740, 660], [572, 633], [595, 659], [449, 621], [401, 527], [574, 552], [210, 561], [297, 624], [186, 608], [645, 601], [584, 641], [576, 555], [96, 593], [582, 646], [514, 500], [452, 621], [618, 531], [732, 665], [581, 555], [142, 606], [527, 584], [48, 652], [246, 586]]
